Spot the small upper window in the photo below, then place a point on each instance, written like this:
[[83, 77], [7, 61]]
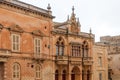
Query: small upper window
[[100, 61], [37, 46], [15, 42], [100, 76]]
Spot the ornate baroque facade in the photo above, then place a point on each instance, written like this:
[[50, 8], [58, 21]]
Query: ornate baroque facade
[[33, 47]]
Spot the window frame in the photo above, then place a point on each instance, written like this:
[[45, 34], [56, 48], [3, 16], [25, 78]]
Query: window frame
[[37, 48], [15, 42], [60, 47], [76, 50], [100, 76], [37, 72], [16, 72], [100, 61]]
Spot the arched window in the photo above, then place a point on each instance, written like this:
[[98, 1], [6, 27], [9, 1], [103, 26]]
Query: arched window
[[82, 74], [85, 49], [38, 72], [64, 75], [56, 75], [16, 71], [60, 47], [88, 74], [75, 73], [72, 75]]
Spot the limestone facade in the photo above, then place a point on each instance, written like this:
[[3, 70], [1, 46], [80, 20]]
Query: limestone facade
[[113, 47], [33, 47], [100, 61]]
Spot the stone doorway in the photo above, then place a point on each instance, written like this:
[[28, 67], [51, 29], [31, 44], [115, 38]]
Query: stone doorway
[[1, 71]]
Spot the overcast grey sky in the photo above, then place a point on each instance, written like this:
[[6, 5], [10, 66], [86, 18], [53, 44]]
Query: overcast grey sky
[[103, 16]]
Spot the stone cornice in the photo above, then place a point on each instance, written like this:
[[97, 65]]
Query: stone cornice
[[26, 7], [72, 34]]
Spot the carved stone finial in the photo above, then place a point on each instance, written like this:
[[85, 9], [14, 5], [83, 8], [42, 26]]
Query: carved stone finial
[[78, 19], [68, 18], [49, 7], [78, 22], [73, 9], [90, 30]]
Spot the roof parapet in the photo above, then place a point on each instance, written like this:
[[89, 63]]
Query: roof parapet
[[27, 6]]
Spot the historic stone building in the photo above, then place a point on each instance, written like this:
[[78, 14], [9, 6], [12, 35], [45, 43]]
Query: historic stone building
[[100, 61], [33, 47], [113, 47], [72, 50]]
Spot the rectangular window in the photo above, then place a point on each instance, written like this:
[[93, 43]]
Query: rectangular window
[[38, 72], [100, 76], [75, 50], [37, 46], [15, 42], [16, 71], [100, 61]]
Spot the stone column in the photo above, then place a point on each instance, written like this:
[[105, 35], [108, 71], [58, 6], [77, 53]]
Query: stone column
[[68, 73], [60, 75], [81, 75], [85, 75]]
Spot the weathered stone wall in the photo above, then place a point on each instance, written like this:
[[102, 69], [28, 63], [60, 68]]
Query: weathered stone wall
[[100, 51], [113, 47]]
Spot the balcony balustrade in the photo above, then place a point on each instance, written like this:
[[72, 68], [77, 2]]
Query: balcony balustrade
[[5, 53], [74, 60], [61, 60], [87, 60], [41, 56]]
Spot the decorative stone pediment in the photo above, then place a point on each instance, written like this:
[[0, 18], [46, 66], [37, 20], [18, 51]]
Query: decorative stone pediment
[[15, 28], [38, 33], [75, 24]]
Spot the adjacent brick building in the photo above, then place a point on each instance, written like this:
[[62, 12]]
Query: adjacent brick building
[[33, 47]]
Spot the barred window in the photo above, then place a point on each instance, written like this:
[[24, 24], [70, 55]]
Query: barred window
[[76, 50], [15, 42], [16, 71]]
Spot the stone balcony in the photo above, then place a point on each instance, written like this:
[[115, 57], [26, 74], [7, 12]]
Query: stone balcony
[[75, 60], [87, 61], [5, 53], [64, 60], [41, 56], [61, 60]]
